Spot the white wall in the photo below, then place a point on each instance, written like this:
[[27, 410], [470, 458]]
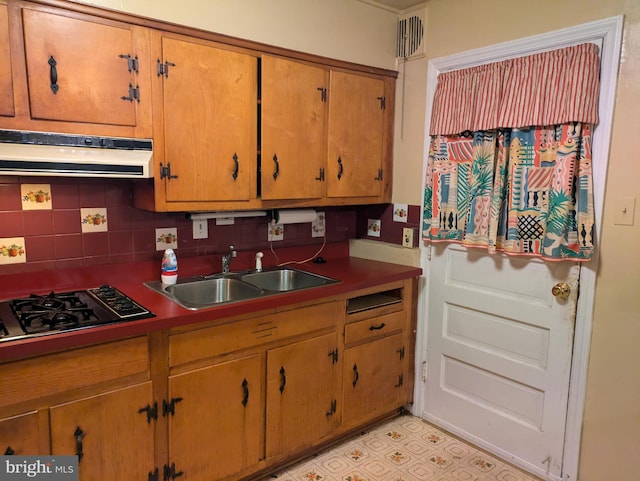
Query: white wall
[[342, 29]]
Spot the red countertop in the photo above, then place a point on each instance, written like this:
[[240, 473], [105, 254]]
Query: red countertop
[[354, 274]]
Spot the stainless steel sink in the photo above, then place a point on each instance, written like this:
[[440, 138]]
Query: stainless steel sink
[[285, 280], [207, 291]]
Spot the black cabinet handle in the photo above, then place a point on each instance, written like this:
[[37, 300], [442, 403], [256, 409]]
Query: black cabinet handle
[[277, 171], [377, 328], [245, 392], [53, 75], [340, 167], [356, 376], [236, 166], [79, 435], [283, 379]]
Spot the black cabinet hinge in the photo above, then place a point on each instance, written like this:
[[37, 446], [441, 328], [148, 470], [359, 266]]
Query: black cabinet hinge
[[165, 171], [321, 174], [163, 68], [334, 356], [154, 475], [400, 380], [170, 472], [169, 407], [323, 94], [132, 62], [401, 352], [152, 411], [383, 102], [379, 176], [134, 94], [332, 408]]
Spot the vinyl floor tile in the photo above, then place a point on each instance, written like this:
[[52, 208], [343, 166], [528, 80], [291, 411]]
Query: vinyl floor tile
[[403, 449]]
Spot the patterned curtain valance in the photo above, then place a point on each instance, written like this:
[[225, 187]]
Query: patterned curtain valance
[[549, 88]]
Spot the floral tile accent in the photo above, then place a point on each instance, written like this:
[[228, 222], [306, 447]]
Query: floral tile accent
[[434, 437], [12, 250], [374, 227], [400, 212], [312, 476], [395, 435], [36, 196], [166, 238], [356, 454], [482, 463], [439, 461], [397, 457], [276, 232], [355, 477], [93, 219]]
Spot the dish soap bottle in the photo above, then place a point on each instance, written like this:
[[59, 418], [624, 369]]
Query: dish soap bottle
[[169, 269]]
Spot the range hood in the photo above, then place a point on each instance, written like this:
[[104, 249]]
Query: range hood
[[41, 153]]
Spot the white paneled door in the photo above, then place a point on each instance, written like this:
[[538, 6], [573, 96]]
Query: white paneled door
[[498, 352]]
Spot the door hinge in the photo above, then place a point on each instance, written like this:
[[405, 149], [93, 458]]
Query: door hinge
[[321, 174], [400, 380], [169, 407], [424, 371], [134, 94], [170, 472], [163, 68], [165, 171], [379, 177], [401, 352], [152, 411], [132, 62], [323, 94], [334, 356], [154, 475], [332, 408], [383, 103]]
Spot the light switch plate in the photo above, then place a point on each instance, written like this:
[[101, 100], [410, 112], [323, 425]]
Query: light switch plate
[[200, 229], [625, 210], [407, 237]]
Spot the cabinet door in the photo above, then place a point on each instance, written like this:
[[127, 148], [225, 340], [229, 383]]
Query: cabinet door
[[373, 376], [21, 435], [356, 131], [110, 430], [293, 126], [6, 82], [301, 394], [210, 122], [78, 69], [216, 430]]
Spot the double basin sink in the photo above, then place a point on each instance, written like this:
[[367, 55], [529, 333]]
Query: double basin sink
[[207, 291]]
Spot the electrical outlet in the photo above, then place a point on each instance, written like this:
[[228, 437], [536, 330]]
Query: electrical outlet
[[407, 237], [200, 229]]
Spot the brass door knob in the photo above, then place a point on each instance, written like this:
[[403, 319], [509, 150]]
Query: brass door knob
[[561, 290]]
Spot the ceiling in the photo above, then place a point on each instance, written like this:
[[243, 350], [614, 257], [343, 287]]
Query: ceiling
[[397, 5]]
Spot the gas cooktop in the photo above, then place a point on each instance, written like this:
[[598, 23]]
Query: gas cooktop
[[56, 312]]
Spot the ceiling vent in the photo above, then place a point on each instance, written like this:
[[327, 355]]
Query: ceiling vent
[[410, 36]]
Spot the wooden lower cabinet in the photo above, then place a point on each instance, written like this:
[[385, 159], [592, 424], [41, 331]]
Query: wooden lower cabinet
[[215, 427], [373, 376], [109, 432], [21, 435], [301, 394]]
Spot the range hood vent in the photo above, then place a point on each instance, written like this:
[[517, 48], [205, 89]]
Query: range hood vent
[[40, 153]]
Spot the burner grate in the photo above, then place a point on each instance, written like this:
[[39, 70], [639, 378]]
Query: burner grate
[[52, 312]]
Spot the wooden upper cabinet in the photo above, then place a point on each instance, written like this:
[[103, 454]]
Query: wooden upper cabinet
[[209, 112], [293, 129], [6, 82], [85, 69], [356, 135]]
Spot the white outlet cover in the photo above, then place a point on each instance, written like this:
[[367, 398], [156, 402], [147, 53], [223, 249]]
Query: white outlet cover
[[317, 226]]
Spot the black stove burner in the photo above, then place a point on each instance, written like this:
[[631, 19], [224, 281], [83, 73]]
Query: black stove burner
[[39, 315], [52, 312]]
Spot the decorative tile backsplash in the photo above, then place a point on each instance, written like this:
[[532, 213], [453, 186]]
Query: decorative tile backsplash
[[49, 222]]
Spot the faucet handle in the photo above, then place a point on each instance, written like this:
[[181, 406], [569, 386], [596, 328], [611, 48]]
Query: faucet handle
[[232, 251]]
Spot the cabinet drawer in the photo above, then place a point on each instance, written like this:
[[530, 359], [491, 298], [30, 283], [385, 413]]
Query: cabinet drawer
[[213, 341], [55, 373], [373, 328]]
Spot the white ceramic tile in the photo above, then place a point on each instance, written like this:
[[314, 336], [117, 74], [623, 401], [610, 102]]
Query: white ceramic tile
[[167, 239], [373, 227], [400, 212], [94, 219], [36, 196], [12, 250]]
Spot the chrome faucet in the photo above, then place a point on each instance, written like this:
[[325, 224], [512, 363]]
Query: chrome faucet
[[227, 258]]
